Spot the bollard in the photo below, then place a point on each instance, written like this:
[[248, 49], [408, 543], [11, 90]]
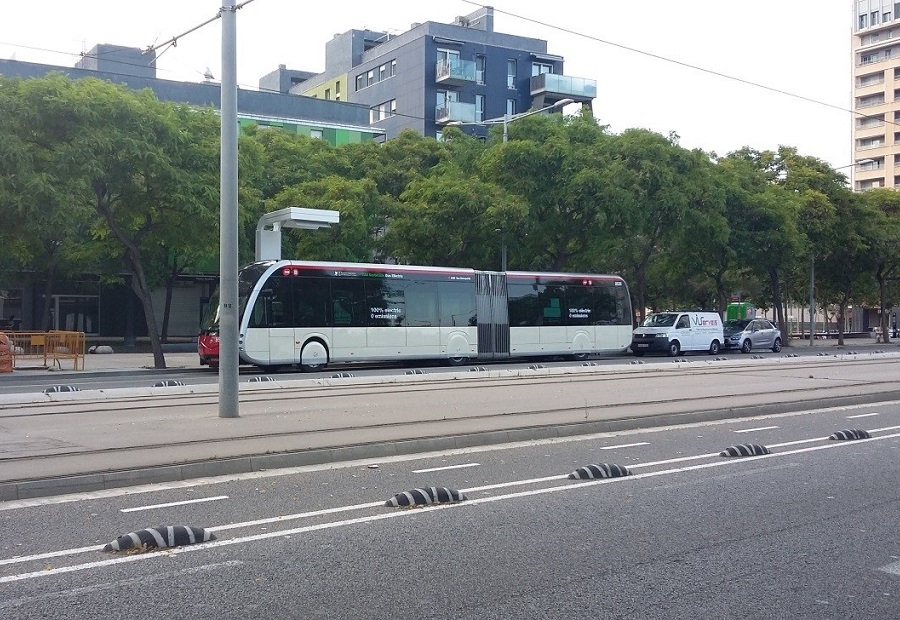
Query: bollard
[[6, 364]]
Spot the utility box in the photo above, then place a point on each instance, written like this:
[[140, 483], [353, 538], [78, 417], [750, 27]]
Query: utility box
[[740, 310]]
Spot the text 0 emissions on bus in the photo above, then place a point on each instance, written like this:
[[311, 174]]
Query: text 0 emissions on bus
[[315, 313]]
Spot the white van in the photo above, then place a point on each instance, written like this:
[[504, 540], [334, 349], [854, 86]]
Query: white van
[[674, 332]]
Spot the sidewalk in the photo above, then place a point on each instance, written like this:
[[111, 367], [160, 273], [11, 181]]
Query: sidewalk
[[105, 439]]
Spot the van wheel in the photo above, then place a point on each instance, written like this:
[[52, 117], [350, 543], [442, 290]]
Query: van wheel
[[714, 348], [746, 346], [674, 348], [458, 361], [776, 346]]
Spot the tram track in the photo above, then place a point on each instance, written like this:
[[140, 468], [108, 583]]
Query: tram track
[[81, 402], [442, 421]]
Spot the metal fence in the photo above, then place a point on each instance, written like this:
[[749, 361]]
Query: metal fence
[[46, 349]]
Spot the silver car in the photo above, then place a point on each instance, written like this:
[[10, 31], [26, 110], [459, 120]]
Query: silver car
[[749, 334]]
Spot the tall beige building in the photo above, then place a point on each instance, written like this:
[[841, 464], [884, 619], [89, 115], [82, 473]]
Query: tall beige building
[[876, 94]]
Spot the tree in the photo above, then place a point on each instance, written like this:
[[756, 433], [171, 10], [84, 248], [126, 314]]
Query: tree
[[884, 244], [147, 169]]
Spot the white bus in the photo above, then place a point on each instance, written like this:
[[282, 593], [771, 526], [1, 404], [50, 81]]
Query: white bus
[[316, 313]]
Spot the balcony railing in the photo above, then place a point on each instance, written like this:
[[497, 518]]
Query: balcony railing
[[455, 72], [455, 111], [580, 89]]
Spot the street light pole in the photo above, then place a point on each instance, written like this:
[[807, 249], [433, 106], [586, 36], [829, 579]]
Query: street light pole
[[505, 127]]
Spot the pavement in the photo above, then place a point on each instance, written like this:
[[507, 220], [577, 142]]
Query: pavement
[[54, 444]]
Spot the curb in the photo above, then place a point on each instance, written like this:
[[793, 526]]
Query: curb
[[114, 479]]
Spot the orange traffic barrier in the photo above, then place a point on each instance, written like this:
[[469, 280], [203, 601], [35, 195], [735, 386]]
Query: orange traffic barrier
[[46, 349], [6, 364]]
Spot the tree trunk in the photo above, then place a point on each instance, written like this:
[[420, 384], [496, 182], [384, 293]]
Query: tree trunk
[[48, 296], [140, 288], [882, 305], [170, 284], [776, 301], [842, 308]]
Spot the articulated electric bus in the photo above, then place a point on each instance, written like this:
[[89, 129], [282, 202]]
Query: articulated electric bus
[[315, 313]]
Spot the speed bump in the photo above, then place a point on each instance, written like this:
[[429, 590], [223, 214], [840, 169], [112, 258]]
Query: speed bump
[[160, 537], [603, 470], [426, 496], [745, 449], [850, 434]]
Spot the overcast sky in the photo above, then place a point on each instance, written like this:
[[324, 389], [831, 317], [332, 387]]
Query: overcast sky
[[798, 46]]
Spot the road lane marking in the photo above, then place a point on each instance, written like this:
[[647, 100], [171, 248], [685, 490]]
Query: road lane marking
[[861, 415], [753, 430], [406, 513], [892, 568], [183, 503], [626, 445], [424, 471], [135, 583]]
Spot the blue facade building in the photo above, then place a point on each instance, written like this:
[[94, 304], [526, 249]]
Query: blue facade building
[[437, 74]]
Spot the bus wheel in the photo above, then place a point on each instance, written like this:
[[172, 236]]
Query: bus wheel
[[458, 361], [578, 357], [313, 357]]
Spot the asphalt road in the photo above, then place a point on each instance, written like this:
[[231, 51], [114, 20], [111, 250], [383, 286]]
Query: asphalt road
[[808, 531]]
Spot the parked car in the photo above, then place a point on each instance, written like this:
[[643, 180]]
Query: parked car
[[749, 334], [674, 332]]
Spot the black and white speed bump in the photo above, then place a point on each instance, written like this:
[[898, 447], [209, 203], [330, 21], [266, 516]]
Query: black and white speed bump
[[261, 379], [168, 383], [478, 369], [425, 497], [62, 388], [160, 538], [850, 434], [603, 470], [342, 375], [416, 371], [745, 449]]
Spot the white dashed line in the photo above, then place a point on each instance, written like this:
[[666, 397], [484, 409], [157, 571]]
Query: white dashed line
[[862, 415], [626, 445], [185, 502], [752, 430], [425, 471]]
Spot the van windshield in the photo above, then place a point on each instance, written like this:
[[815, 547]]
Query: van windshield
[[663, 319]]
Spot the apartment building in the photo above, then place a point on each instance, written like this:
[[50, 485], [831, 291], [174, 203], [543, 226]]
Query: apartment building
[[435, 74], [876, 94]]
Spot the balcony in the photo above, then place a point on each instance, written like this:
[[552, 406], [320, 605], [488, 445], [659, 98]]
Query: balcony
[[454, 112], [553, 87], [455, 72]]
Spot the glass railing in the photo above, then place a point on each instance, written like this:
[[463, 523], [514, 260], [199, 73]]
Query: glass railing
[[564, 85], [462, 70], [455, 111]]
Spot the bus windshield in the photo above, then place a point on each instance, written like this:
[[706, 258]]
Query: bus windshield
[[247, 279], [662, 319]]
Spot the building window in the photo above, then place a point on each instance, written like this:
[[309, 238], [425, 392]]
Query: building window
[[539, 68], [479, 108], [382, 111], [886, 17], [510, 107], [863, 21], [480, 62], [327, 94], [511, 73], [373, 76], [337, 91], [874, 18], [316, 134]]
